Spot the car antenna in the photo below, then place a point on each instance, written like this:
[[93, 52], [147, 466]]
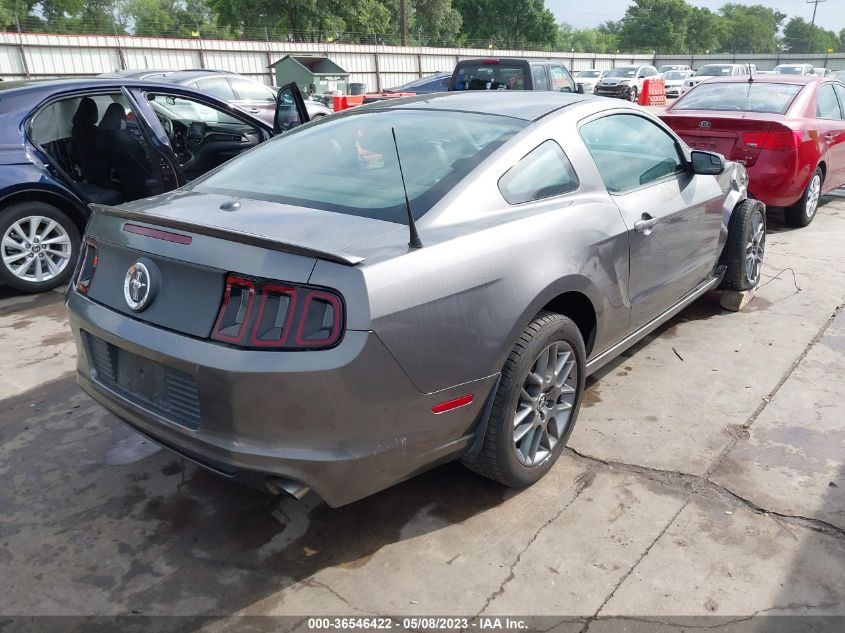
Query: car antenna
[[750, 74], [414, 242]]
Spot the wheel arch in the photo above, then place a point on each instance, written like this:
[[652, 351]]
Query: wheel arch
[[573, 296], [77, 213], [578, 307]]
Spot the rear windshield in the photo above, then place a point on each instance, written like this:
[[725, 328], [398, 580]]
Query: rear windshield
[[742, 97], [490, 76], [622, 72], [347, 163], [675, 74], [713, 71], [789, 70], [588, 74]]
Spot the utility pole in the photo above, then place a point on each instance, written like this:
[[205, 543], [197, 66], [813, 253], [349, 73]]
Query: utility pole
[[403, 20], [815, 4]]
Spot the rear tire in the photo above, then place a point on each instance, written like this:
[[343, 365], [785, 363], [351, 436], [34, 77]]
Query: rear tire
[[60, 238], [803, 212], [746, 245], [536, 404]]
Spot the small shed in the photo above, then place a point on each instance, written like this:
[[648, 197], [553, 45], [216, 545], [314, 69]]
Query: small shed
[[312, 73]]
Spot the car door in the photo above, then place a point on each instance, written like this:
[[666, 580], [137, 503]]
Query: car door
[[255, 98], [562, 81], [194, 133], [673, 216], [830, 103], [290, 109]]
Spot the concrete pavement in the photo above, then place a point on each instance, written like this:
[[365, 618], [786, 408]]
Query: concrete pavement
[[706, 477]]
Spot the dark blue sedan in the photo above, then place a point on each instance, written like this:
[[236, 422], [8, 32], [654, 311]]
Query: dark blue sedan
[[65, 144]]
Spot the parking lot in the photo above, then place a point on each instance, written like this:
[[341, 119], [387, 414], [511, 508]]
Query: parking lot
[[706, 477]]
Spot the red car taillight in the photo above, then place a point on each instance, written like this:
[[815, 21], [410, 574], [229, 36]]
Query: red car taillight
[[268, 314], [775, 141], [88, 261]]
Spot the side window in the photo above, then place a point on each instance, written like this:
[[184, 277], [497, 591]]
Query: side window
[[542, 173], [631, 151], [252, 90], [840, 92], [217, 87], [540, 80], [827, 105], [561, 79]]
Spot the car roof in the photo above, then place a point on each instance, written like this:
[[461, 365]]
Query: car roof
[[769, 79], [527, 105], [36, 86]]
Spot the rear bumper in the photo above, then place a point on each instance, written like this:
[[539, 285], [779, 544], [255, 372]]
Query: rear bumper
[[347, 422], [777, 180]]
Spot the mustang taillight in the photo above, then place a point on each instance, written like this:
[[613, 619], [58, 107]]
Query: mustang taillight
[[88, 261], [269, 314]]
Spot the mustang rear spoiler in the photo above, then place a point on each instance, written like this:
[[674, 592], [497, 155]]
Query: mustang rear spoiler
[[230, 234]]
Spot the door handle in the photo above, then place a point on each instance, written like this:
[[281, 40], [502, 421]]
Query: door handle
[[253, 110], [645, 225]]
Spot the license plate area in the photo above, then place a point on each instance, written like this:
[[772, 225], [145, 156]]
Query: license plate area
[[167, 391], [141, 377]]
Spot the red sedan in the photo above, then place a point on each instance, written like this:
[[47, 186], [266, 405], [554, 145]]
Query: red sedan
[[788, 131]]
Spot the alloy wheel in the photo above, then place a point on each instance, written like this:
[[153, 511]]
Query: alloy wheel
[[36, 249], [754, 248], [545, 404], [813, 194]]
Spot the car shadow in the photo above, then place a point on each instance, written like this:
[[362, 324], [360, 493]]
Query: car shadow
[[776, 220]]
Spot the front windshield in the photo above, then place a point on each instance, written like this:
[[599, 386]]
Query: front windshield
[[789, 70], [741, 97], [623, 72], [713, 71], [664, 69], [675, 75], [588, 74], [347, 163]]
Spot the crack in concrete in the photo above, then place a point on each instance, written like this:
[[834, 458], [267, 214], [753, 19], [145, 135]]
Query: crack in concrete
[[688, 482], [581, 483], [311, 582], [699, 485], [630, 571], [770, 396]]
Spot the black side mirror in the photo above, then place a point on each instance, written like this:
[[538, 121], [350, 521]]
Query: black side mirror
[[579, 88], [707, 163]]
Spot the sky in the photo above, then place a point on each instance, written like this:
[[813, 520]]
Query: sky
[[830, 15]]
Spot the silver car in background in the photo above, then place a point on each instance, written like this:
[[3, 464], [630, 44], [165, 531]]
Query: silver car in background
[[430, 279]]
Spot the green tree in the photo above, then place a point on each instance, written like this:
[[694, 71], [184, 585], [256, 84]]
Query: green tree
[[436, 21], [799, 36], [750, 29], [583, 40], [704, 31], [659, 25], [512, 24]]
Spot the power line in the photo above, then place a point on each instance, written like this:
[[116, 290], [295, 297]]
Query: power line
[[815, 4]]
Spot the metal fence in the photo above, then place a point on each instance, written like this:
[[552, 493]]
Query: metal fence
[[36, 55]]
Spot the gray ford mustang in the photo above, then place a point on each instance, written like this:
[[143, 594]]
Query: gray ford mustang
[[403, 284]]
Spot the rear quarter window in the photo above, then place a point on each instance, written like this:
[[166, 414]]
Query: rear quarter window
[[542, 173]]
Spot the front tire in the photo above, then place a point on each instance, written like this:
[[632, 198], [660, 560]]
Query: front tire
[[803, 212], [39, 245], [632, 94], [745, 246], [536, 404]]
